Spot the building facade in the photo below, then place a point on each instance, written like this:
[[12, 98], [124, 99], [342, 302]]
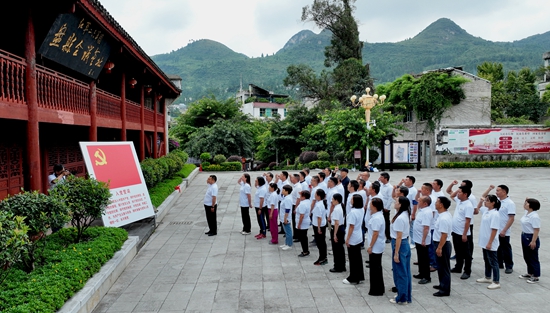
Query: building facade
[[70, 73], [261, 103]]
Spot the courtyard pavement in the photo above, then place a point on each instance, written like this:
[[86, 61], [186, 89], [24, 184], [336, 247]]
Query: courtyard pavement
[[180, 269]]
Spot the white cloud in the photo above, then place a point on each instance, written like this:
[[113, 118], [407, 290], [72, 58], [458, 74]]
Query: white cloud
[[254, 27]]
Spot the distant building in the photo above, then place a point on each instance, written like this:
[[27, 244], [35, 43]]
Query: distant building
[[546, 78], [261, 103], [474, 111]]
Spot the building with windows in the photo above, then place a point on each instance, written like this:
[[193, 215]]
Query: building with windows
[[70, 73], [260, 103]]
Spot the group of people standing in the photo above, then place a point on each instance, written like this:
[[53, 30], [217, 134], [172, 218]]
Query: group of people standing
[[356, 213]]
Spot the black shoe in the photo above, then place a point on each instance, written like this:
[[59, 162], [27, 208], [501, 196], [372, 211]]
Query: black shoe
[[333, 270], [424, 281], [303, 254], [388, 241], [207, 233], [441, 294], [367, 265], [456, 270], [437, 287], [367, 261], [417, 276], [394, 289], [295, 240], [281, 232], [465, 276], [212, 234]]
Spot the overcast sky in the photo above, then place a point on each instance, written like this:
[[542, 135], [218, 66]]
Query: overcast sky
[[254, 27]]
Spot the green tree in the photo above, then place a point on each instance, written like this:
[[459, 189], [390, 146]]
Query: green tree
[[227, 137], [336, 16], [523, 96]]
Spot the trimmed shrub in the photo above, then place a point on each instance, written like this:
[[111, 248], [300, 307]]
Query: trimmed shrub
[[373, 155], [157, 170], [205, 157], [224, 166], [234, 158], [340, 157], [318, 164], [86, 198], [308, 156], [13, 241], [219, 159], [173, 145], [323, 156], [41, 212], [272, 165]]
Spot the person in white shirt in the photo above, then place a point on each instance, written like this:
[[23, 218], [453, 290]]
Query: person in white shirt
[[308, 177], [323, 181], [422, 238], [337, 235], [437, 184], [303, 183], [314, 186], [373, 194], [303, 221], [488, 239], [296, 189], [442, 238], [464, 212], [530, 243], [211, 205], [473, 201], [385, 193], [401, 251], [273, 207], [245, 202], [260, 200], [285, 214], [507, 213], [409, 182], [58, 176], [354, 220], [319, 221], [352, 190], [376, 240]]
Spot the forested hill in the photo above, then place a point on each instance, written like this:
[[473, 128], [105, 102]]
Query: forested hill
[[208, 67]]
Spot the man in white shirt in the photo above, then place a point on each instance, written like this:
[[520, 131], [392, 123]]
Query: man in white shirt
[[211, 205], [385, 193], [442, 239], [323, 182], [437, 184], [507, 213], [473, 201], [422, 238], [308, 176], [58, 176], [352, 189], [464, 212]]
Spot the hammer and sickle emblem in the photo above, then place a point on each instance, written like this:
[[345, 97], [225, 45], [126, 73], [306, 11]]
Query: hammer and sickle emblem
[[99, 154]]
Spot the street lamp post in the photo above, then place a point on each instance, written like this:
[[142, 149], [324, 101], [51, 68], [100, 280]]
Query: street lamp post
[[368, 102]]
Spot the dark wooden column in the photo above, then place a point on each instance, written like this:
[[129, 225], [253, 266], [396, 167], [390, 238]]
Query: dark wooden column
[[165, 127], [155, 132], [142, 122], [123, 107], [33, 133], [93, 111]]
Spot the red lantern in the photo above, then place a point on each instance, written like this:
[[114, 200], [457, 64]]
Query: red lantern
[[109, 66], [159, 97], [133, 82], [148, 89]]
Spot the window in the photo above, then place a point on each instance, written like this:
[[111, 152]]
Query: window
[[408, 116], [262, 112], [284, 113], [268, 112]]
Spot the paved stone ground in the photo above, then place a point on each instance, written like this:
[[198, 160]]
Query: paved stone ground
[[182, 270]]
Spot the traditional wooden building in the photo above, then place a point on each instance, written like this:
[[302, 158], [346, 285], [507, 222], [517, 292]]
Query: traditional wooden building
[[70, 73]]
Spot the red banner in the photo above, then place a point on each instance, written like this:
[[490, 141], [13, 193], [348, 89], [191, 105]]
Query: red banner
[[114, 164], [509, 140]]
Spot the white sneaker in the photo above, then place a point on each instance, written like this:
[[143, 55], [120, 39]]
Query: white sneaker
[[413, 247], [287, 248], [493, 286], [345, 281], [525, 276], [484, 280], [245, 233], [283, 246], [533, 280]]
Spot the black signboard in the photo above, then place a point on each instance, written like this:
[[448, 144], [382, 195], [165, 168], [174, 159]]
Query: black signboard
[[76, 43]]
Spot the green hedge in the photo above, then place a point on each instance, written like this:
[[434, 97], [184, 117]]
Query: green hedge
[[318, 164], [157, 170], [66, 269], [162, 190], [490, 164], [224, 166]]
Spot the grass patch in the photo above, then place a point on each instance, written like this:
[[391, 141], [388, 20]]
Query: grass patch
[[64, 269], [162, 190]]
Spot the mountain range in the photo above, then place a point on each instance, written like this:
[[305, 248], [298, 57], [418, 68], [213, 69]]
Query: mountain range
[[209, 67]]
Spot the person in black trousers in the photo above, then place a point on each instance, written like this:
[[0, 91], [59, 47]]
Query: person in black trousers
[[442, 234], [337, 235]]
